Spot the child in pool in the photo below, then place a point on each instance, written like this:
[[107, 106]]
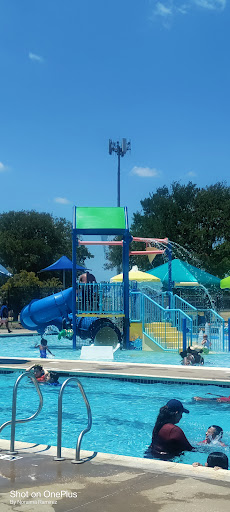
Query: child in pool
[[214, 434], [39, 372], [192, 356], [43, 348], [216, 460], [52, 378], [205, 342]]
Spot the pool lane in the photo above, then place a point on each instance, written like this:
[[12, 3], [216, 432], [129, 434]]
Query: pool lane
[[135, 371]]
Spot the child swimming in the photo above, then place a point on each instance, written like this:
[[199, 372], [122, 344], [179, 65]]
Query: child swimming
[[52, 378], [39, 372], [214, 435]]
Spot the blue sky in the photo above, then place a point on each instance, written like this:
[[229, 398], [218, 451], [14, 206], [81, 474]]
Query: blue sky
[[76, 73]]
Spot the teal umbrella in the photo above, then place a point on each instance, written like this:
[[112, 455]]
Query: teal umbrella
[[184, 274]]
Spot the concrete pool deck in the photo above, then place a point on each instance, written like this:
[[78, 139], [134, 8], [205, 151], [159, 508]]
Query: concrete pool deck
[[106, 483], [206, 375]]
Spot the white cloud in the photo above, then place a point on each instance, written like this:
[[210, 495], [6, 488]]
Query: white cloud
[[35, 57], [169, 8], [61, 200], [191, 174], [212, 5], [3, 167], [145, 172], [162, 10]]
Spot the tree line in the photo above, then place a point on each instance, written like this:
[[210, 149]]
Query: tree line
[[196, 218], [29, 242]]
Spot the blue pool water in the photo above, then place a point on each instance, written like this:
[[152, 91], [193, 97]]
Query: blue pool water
[[23, 346], [123, 414]]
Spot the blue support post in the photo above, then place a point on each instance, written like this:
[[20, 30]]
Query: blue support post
[[74, 275], [100, 292], [229, 334], [169, 253], [184, 334], [125, 260]]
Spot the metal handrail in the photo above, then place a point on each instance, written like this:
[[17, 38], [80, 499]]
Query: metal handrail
[[177, 297], [13, 421], [166, 310], [77, 459], [160, 314]]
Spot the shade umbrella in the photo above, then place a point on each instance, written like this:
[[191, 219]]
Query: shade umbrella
[[136, 275], [63, 264], [225, 283], [4, 271], [184, 274]]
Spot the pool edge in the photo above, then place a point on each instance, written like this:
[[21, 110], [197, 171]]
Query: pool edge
[[151, 465]]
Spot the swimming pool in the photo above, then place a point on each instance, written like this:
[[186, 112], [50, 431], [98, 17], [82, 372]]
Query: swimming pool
[[123, 414], [23, 346]]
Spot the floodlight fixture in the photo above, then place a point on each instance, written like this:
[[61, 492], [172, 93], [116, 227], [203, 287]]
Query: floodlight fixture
[[121, 150]]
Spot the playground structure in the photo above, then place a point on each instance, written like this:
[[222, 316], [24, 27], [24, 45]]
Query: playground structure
[[161, 321]]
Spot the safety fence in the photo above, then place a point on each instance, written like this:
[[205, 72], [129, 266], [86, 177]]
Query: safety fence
[[100, 298], [216, 330]]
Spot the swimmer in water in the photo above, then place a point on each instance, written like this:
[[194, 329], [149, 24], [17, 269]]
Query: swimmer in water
[[43, 348], [192, 356], [214, 435], [219, 399], [39, 372], [216, 460], [52, 378]]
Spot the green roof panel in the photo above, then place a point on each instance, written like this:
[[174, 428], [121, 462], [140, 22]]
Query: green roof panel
[[100, 219]]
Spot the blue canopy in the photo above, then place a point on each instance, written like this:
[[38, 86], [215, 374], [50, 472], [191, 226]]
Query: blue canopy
[[4, 271], [63, 263]]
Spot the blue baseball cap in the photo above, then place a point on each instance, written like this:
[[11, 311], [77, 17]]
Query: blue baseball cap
[[176, 405]]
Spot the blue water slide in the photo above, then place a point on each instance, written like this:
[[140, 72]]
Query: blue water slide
[[50, 310]]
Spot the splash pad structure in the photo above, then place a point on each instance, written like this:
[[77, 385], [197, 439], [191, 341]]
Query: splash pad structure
[[99, 312], [104, 221]]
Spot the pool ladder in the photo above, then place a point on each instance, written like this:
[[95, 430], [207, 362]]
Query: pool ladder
[[13, 421], [77, 459]]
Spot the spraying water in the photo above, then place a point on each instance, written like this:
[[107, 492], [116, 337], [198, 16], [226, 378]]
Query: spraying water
[[185, 254], [212, 305], [51, 329]]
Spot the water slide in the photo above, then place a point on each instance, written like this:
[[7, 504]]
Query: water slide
[[51, 310]]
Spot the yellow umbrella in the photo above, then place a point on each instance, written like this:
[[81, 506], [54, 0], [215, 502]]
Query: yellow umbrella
[[136, 275]]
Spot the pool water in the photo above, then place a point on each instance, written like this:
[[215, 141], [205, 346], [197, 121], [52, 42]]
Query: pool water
[[123, 413], [23, 346]]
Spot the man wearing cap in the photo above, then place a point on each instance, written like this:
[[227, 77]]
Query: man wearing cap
[[168, 439]]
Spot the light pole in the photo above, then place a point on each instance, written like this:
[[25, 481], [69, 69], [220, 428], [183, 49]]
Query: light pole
[[121, 150]]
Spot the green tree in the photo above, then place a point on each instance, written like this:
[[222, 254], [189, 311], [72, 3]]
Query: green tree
[[20, 289], [31, 241], [195, 218]]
